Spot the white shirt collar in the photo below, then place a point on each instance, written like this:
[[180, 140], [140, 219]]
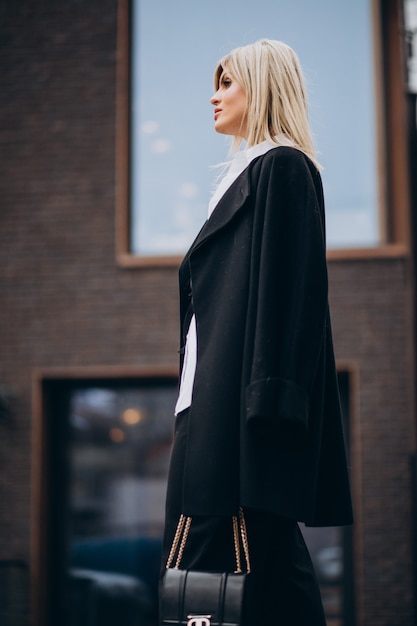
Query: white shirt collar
[[240, 162]]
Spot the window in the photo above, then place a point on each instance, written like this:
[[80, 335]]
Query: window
[[102, 454], [174, 49], [119, 450]]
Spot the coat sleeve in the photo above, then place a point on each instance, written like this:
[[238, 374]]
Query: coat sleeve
[[288, 292]]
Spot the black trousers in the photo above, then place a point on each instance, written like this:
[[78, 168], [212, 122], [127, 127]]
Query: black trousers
[[283, 587]]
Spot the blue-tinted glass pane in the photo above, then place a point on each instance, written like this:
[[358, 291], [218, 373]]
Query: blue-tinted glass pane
[[176, 46], [118, 456]]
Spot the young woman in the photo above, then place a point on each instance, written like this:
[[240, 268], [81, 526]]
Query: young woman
[[258, 419]]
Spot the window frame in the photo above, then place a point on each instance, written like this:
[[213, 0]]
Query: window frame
[[47, 383], [391, 138]]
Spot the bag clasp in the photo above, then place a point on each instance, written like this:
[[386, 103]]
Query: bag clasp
[[198, 620]]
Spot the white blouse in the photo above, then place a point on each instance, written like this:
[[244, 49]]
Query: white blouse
[[239, 163]]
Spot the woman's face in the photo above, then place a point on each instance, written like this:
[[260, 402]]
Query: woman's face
[[229, 103]]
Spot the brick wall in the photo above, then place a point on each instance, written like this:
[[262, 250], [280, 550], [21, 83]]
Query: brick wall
[[372, 325], [65, 302]]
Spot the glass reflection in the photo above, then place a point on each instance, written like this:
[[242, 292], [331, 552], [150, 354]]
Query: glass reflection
[[175, 47], [119, 455]]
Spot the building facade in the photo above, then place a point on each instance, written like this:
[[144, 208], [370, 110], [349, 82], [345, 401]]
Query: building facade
[[77, 313]]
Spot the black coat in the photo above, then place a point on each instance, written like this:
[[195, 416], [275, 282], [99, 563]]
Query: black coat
[[265, 426]]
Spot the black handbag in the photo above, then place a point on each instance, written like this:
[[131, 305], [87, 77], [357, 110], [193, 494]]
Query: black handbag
[[193, 598]]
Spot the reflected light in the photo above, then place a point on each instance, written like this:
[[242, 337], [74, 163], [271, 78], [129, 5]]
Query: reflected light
[[149, 127], [132, 417], [160, 146], [117, 435], [188, 190]]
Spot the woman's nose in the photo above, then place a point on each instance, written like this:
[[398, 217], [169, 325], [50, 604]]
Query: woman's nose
[[214, 98]]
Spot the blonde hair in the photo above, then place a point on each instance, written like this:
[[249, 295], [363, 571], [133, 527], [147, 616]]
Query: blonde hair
[[271, 76]]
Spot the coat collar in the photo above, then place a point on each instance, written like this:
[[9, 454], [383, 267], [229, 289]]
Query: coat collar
[[231, 202], [234, 197]]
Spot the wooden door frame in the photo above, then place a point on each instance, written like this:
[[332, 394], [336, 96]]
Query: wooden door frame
[[45, 380]]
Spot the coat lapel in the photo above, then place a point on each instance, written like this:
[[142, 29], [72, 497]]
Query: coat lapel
[[227, 207]]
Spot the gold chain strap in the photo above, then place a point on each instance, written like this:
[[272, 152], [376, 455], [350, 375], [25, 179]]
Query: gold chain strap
[[176, 540], [183, 542], [238, 569], [244, 534], [181, 536]]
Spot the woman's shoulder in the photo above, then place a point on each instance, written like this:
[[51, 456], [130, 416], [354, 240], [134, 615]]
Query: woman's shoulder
[[285, 161], [288, 156], [287, 170]]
